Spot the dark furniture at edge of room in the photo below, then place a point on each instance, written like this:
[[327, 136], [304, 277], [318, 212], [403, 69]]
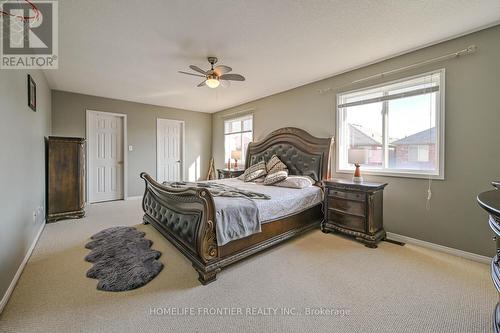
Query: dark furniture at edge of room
[[355, 209], [490, 201], [186, 217], [229, 173], [65, 178]]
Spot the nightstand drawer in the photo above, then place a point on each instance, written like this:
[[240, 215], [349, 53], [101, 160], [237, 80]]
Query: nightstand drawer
[[347, 206], [346, 195], [347, 221]]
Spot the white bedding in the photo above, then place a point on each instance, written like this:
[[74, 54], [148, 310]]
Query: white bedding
[[284, 201]]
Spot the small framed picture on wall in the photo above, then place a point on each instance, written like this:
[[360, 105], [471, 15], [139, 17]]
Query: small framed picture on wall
[[31, 93]]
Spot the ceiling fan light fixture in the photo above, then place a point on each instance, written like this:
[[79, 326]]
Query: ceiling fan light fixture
[[212, 82], [214, 77]]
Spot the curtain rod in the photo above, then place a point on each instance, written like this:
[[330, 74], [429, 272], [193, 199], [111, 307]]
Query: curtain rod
[[469, 50]]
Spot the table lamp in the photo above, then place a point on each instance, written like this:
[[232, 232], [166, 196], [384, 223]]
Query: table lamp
[[236, 155], [357, 157]]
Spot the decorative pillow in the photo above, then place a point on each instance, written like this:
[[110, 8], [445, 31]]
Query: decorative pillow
[[276, 177], [255, 171], [275, 164], [296, 182]]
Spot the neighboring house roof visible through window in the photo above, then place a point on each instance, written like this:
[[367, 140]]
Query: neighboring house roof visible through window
[[425, 137], [362, 136]]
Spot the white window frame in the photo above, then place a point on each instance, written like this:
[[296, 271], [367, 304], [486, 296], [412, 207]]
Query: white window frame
[[241, 119], [440, 127]]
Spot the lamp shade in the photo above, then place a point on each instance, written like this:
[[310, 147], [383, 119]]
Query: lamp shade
[[357, 156], [236, 155]]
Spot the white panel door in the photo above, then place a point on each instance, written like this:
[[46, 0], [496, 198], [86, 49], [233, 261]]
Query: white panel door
[[106, 157], [169, 150]]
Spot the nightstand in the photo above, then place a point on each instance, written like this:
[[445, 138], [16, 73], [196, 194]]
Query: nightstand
[[229, 173], [355, 209]]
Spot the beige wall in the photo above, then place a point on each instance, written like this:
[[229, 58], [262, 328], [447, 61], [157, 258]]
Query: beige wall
[[472, 140], [22, 180], [68, 119]]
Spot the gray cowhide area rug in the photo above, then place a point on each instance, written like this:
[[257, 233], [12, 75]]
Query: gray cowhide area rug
[[122, 258]]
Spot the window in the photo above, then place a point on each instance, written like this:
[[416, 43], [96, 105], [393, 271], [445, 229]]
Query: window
[[418, 153], [400, 124], [238, 133]]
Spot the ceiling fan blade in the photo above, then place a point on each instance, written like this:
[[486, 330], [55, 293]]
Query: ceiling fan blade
[[225, 83], [202, 84], [197, 69], [221, 69], [191, 74], [232, 77]]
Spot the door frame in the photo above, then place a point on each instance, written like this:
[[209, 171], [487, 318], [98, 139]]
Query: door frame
[[88, 114], [183, 145]]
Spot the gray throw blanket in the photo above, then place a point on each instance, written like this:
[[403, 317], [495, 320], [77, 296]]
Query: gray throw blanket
[[237, 215], [219, 190]]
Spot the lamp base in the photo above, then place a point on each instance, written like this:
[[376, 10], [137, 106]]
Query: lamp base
[[357, 179], [357, 174]]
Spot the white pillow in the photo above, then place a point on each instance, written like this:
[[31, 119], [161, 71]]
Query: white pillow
[[296, 182]]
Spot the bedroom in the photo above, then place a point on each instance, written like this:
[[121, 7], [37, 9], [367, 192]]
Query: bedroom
[[326, 84]]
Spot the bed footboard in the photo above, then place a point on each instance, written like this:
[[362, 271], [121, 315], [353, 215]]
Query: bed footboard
[[186, 217]]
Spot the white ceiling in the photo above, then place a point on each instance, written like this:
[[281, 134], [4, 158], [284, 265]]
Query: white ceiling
[[132, 50]]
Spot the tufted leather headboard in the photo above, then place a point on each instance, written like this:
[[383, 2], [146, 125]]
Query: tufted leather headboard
[[302, 153]]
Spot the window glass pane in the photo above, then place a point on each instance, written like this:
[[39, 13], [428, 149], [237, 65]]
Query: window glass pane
[[411, 88], [247, 138], [362, 96], [238, 134], [412, 132], [232, 126], [247, 124], [232, 142], [227, 127], [236, 126], [364, 131]]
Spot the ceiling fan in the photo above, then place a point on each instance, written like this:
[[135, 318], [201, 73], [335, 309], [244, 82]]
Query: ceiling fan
[[215, 76]]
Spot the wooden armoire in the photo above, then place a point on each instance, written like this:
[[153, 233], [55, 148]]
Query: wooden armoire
[[65, 177]]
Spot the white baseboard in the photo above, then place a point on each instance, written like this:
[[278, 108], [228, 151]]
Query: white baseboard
[[137, 197], [440, 248], [13, 283]]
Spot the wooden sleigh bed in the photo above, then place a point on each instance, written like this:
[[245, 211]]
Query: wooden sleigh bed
[[186, 217]]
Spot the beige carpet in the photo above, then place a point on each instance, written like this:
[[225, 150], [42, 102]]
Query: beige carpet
[[390, 289]]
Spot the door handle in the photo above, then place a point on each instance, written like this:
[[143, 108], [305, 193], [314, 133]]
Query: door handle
[[179, 161], [120, 162]]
